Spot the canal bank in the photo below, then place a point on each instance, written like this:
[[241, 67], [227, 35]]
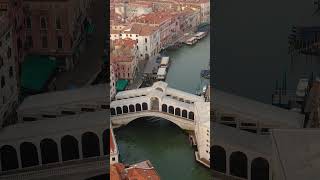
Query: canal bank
[[158, 140]]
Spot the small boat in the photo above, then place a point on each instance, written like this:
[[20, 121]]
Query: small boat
[[191, 41]]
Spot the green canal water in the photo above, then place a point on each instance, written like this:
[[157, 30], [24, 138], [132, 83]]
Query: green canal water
[[160, 141]]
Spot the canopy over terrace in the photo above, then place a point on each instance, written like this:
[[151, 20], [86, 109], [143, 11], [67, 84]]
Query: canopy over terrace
[[36, 73]]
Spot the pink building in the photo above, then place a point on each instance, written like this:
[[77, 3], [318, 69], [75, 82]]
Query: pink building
[[56, 28], [124, 54]]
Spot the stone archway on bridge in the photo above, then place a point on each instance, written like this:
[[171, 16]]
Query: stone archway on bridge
[[260, 169], [131, 108], [177, 112], [106, 144], [125, 109], [154, 104], [191, 115], [218, 159], [239, 164], [185, 113], [49, 151], [9, 158], [90, 145], [69, 148], [171, 110], [29, 154], [164, 108]]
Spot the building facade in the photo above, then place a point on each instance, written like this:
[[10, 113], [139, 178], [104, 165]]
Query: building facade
[[56, 28], [147, 37], [8, 75]]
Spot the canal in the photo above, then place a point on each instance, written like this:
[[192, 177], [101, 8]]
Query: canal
[[160, 141], [251, 45]]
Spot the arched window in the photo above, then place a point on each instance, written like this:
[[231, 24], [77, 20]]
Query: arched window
[[138, 107], [9, 158], [131, 108], [119, 110], [260, 169], [177, 112], [191, 115], [29, 154], [69, 148], [113, 111], [218, 159], [164, 108], [90, 145], [239, 164], [184, 113], [171, 110], [3, 82], [125, 109], [144, 106], [49, 151]]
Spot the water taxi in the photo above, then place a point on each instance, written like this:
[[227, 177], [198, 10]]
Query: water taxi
[[191, 41]]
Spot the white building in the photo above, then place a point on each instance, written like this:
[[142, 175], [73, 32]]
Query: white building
[[133, 9], [8, 74], [202, 132], [148, 38], [114, 152]]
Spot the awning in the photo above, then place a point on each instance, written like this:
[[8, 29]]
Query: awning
[[36, 71], [121, 85]]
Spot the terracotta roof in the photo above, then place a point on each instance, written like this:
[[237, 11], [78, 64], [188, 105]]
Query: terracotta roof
[[155, 17], [127, 42], [140, 171], [141, 29]]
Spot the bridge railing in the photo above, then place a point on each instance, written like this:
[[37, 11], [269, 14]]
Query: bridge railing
[[62, 164], [166, 113]]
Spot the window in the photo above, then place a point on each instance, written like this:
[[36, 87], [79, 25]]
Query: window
[[58, 23], [145, 40], [146, 48], [44, 42], [11, 72], [59, 39], [3, 83], [43, 23], [136, 35], [67, 112], [9, 52], [28, 22], [30, 41], [113, 159], [49, 116], [1, 61]]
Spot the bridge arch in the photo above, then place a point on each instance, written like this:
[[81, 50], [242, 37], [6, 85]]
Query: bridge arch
[[218, 159], [138, 107], [239, 164], [69, 148], [112, 111], [177, 112], [185, 113], [154, 103], [131, 108], [29, 154], [105, 139], [164, 108], [191, 115], [49, 151], [119, 110], [171, 109], [144, 106], [125, 109], [9, 158], [90, 145], [260, 169]]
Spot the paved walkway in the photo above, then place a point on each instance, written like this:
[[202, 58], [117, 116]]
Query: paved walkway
[[90, 60]]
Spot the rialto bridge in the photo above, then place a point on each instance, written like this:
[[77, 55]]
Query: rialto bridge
[[189, 112], [60, 135], [242, 144]]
